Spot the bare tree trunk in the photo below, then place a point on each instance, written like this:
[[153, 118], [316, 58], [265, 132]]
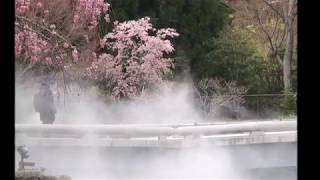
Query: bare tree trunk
[[287, 63], [289, 48]]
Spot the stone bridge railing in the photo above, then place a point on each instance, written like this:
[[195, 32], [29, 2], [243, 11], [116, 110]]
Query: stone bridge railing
[[156, 135]]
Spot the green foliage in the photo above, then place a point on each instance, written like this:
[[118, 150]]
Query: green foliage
[[122, 10], [233, 58], [288, 104], [181, 62], [196, 21]]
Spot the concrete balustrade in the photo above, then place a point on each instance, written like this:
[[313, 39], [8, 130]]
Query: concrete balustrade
[[140, 130], [156, 136]]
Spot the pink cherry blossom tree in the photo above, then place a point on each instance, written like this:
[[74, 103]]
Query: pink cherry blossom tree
[[64, 34], [56, 32], [135, 57]]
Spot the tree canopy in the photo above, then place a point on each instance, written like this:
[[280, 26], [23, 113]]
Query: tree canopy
[[128, 46]]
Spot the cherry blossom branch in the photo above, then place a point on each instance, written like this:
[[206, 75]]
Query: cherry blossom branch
[[44, 28]]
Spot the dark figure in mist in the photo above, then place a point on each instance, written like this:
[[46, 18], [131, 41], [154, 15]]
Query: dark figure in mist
[[44, 104]]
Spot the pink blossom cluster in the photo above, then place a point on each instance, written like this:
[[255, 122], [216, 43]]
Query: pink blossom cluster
[[91, 11], [30, 45], [22, 6], [30, 42], [163, 33], [75, 54], [138, 61]]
